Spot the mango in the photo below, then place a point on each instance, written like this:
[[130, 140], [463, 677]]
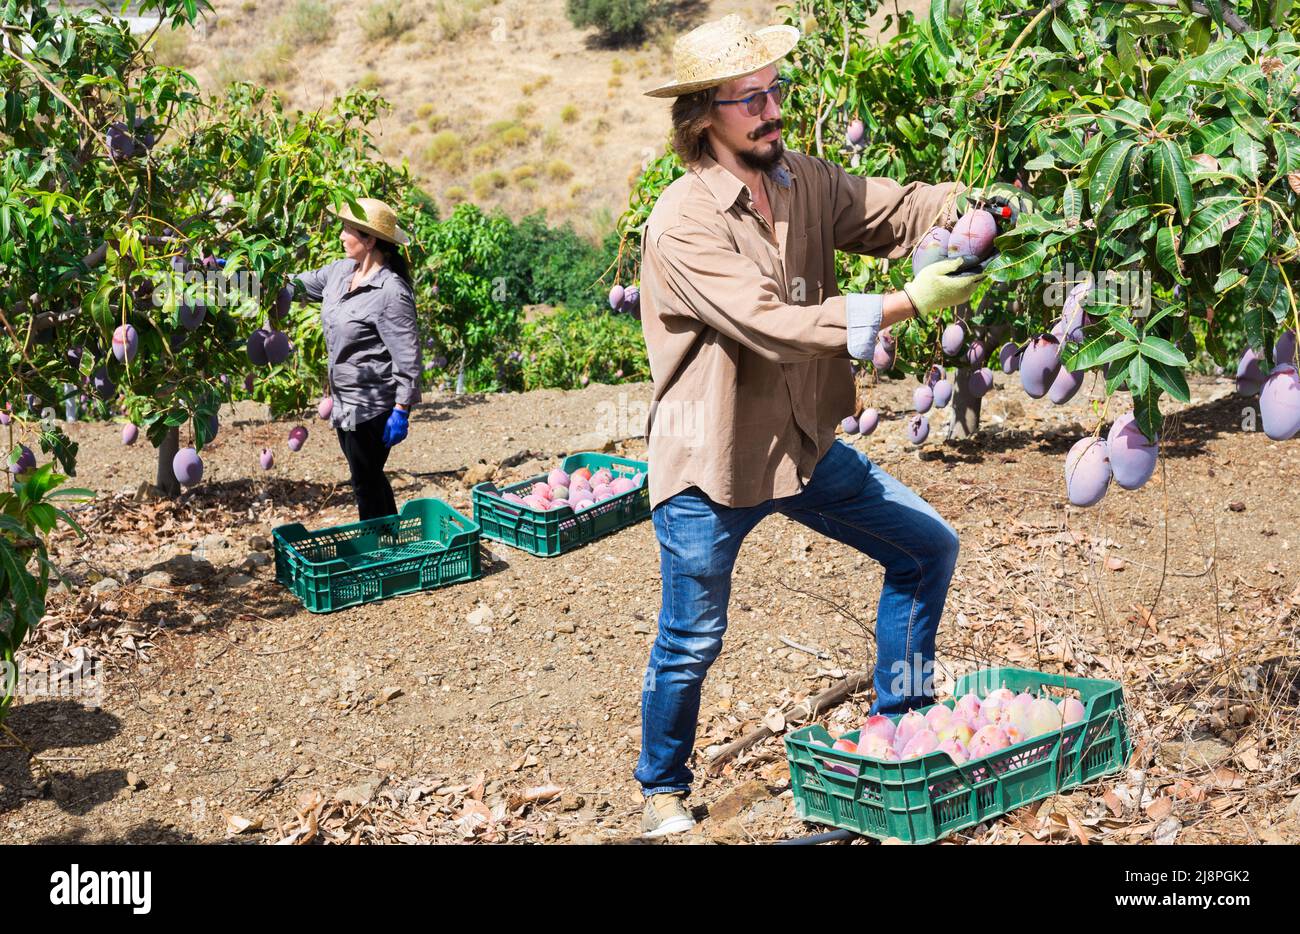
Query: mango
[[129, 433], [909, 724], [922, 744], [956, 751], [973, 235], [1044, 717], [879, 725], [1072, 710], [187, 466]]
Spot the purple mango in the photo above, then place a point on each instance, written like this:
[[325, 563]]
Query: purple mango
[[954, 336], [1132, 454], [1087, 471], [1039, 365], [1250, 373], [1279, 403]]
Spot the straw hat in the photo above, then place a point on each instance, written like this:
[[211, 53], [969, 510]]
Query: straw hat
[[378, 219], [721, 50]]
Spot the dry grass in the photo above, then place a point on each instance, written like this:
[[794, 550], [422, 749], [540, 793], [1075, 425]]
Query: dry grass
[[492, 84]]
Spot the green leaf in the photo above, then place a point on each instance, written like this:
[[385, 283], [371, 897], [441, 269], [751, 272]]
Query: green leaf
[[1250, 152], [1065, 35], [1146, 411], [1167, 252], [1210, 222], [1157, 348], [1172, 185], [1227, 279], [940, 36], [1171, 379], [1108, 174], [1072, 204], [1215, 137], [1207, 68], [1097, 352], [1250, 238], [1017, 263], [1124, 326], [1139, 373]]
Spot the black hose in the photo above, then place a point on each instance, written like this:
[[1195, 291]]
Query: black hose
[[831, 836]]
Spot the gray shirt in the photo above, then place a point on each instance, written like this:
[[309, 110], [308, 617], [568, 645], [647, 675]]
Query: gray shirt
[[371, 337]]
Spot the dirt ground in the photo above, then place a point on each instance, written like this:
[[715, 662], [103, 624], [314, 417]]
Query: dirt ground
[[507, 709]]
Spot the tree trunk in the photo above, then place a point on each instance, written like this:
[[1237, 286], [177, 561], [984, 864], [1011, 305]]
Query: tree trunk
[[965, 419], [166, 480]]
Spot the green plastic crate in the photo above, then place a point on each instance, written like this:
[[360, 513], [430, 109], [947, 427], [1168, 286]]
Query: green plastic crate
[[426, 545], [552, 533], [924, 799]]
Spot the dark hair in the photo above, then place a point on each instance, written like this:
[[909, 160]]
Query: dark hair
[[394, 259], [691, 114]]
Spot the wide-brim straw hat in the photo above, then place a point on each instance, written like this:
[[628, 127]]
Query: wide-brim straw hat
[[721, 50], [379, 219]]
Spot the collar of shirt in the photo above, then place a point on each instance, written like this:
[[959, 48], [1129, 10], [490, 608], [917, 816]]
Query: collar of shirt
[[376, 280], [726, 188]]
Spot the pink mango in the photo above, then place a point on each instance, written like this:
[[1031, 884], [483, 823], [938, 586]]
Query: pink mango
[[968, 704], [584, 503], [922, 744], [991, 706], [601, 476], [957, 730], [956, 751], [325, 408], [513, 498], [845, 745], [1072, 710], [621, 485], [880, 726], [938, 717], [988, 740], [875, 746], [603, 491], [535, 502], [266, 459], [1044, 717], [909, 725], [557, 477], [1021, 703], [542, 490], [582, 473]]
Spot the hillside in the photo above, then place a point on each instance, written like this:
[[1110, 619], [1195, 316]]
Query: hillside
[[500, 103]]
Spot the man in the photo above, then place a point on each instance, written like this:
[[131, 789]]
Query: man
[[749, 345]]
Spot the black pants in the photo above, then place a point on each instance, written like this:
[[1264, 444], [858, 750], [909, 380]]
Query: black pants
[[366, 454]]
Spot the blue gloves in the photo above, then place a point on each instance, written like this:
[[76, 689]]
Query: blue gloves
[[395, 429]]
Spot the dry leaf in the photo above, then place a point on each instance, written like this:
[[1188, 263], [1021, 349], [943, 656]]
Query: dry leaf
[[1115, 564], [1166, 831], [1249, 759], [1077, 829], [237, 824], [774, 721], [1116, 806], [1293, 179], [1160, 808]]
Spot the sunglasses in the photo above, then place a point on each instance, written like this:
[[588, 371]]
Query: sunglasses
[[756, 103]]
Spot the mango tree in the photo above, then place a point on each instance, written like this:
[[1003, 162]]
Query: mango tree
[[134, 208]]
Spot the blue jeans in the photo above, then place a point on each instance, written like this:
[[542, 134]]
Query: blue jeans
[[849, 499]]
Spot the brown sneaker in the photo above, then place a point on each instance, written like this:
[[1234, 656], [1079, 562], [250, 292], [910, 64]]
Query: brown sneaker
[[664, 814]]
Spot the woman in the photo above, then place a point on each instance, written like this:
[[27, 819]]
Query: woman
[[373, 343]]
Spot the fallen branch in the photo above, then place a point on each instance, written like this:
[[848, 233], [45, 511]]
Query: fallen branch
[[831, 697]]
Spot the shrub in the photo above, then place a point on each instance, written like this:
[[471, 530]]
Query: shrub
[[305, 22], [455, 194], [554, 265], [423, 111], [446, 151], [487, 182], [524, 109], [569, 113], [370, 81], [557, 351], [171, 47], [616, 20], [388, 19], [558, 170]]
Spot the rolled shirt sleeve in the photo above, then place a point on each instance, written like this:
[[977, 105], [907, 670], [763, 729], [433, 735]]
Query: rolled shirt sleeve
[[727, 291], [313, 282], [880, 217], [864, 314], [400, 333]]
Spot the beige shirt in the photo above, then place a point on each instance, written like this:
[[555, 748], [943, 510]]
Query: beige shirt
[[744, 324]]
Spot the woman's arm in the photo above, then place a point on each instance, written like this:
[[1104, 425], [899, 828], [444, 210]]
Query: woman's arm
[[401, 336]]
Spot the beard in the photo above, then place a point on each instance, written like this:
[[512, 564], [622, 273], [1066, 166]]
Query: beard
[[759, 160]]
